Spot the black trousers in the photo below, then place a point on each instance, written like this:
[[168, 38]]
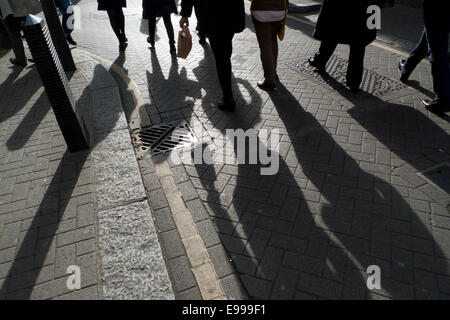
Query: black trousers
[[438, 44], [167, 24], [14, 27], [222, 48], [355, 61], [117, 20], [420, 52], [197, 14]]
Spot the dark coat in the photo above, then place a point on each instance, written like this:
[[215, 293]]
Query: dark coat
[[436, 16], [157, 8], [217, 16], [111, 4], [345, 21]]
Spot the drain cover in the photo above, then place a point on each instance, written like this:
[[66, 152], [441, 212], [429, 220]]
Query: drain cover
[[439, 176], [163, 138], [372, 82]]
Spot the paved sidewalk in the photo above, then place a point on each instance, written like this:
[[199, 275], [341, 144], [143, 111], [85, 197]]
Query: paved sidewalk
[[347, 195], [59, 209], [47, 203]]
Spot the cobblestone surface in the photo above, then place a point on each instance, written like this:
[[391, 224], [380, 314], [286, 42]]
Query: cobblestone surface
[[46, 202], [347, 195]]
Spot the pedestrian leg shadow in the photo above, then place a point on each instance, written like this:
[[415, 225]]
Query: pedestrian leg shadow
[[54, 209], [367, 220], [50, 210]]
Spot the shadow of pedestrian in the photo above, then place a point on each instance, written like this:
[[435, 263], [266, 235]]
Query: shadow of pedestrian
[[10, 88], [313, 229], [53, 206], [171, 93], [366, 220]]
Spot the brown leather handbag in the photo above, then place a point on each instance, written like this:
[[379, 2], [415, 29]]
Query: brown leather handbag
[[283, 26]]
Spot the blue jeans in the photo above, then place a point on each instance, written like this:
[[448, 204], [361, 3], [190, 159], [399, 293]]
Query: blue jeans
[[63, 5], [437, 24], [421, 51]]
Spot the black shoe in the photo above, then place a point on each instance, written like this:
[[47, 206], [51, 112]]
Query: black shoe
[[263, 85], [18, 63], [152, 42], [405, 72], [354, 89], [202, 40], [319, 67], [70, 40], [123, 46], [228, 104], [436, 107]]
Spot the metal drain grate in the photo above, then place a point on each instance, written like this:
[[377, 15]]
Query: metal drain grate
[[372, 82], [163, 138], [438, 176]]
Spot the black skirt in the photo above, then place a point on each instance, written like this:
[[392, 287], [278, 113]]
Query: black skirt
[[157, 8], [111, 4]]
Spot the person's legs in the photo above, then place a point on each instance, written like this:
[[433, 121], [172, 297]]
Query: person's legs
[[438, 42], [122, 23], [322, 55], [355, 67], [14, 26], [222, 48], [408, 65], [151, 30], [263, 32], [276, 26], [199, 27], [117, 20], [170, 32], [419, 53]]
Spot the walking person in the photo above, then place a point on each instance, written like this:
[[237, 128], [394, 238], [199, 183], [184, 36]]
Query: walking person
[[269, 17], [344, 22], [202, 37], [114, 8], [14, 13], [434, 42], [63, 6], [420, 52], [219, 22], [153, 9]]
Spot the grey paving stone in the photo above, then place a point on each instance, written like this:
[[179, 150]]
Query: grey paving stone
[[208, 233], [189, 294], [233, 288], [131, 255], [164, 220], [284, 286], [255, 287], [197, 210], [171, 244], [181, 274]]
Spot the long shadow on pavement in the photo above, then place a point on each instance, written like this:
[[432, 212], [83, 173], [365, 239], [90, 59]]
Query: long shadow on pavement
[[314, 228], [48, 217]]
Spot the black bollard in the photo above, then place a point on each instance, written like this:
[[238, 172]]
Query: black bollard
[[55, 82]]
